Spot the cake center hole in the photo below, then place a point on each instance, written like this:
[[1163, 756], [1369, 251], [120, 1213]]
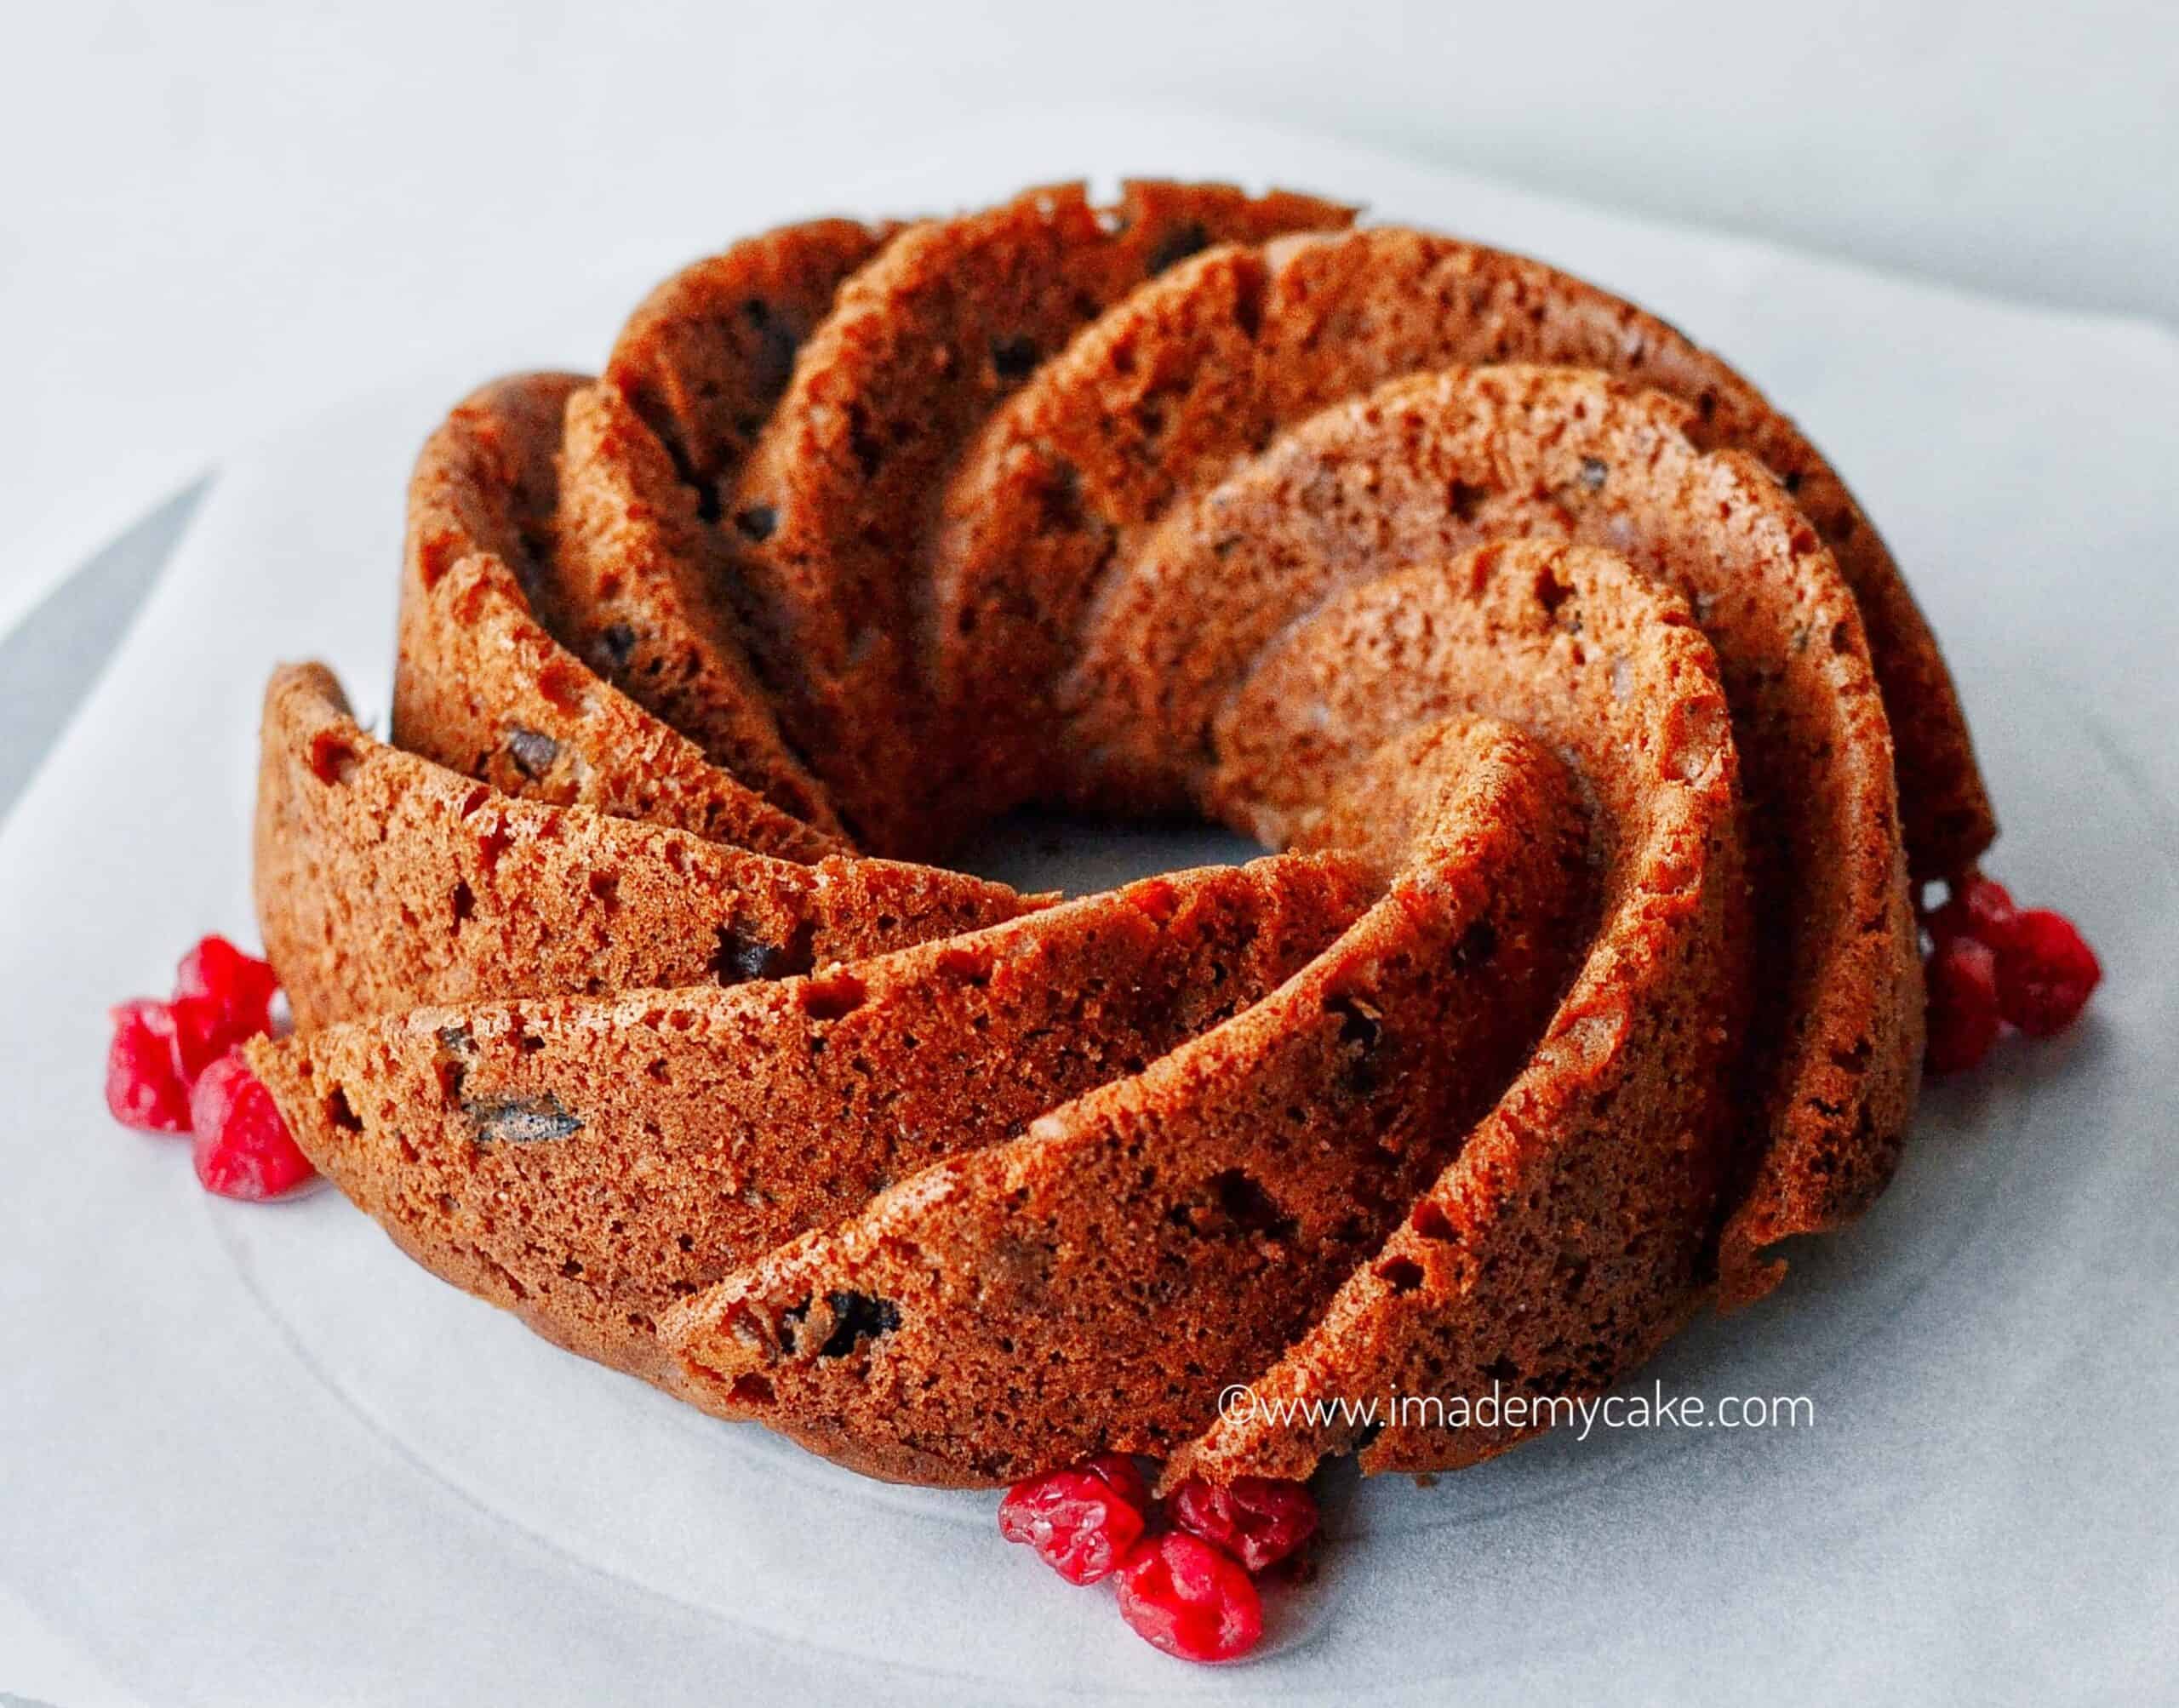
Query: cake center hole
[[1082, 856]]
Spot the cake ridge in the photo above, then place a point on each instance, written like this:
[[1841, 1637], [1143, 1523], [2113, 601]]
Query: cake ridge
[[1174, 1215], [1315, 318], [749, 1096], [923, 341], [476, 617], [637, 582]]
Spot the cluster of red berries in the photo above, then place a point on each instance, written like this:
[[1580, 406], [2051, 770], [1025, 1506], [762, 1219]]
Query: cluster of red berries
[[1991, 964], [176, 1066], [1185, 1566]]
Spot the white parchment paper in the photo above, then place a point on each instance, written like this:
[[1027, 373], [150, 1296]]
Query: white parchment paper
[[250, 1455]]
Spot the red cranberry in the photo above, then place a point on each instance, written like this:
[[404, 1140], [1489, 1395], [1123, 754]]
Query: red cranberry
[[1183, 1595], [201, 1034], [1980, 907], [1258, 1520], [244, 1147], [1963, 1008], [1080, 1522], [1123, 1475], [2045, 972], [239, 988], [144, 1087]]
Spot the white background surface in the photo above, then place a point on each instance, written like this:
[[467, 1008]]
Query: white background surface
[[269, 1461], [213, 214]]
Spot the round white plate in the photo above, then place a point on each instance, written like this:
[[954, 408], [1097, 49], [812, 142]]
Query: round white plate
[[252, 1455]]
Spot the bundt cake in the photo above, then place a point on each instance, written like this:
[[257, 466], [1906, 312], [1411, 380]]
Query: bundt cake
[[1595, 737]]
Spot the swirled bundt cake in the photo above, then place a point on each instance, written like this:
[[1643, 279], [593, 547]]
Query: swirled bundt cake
[[1594, 734]]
